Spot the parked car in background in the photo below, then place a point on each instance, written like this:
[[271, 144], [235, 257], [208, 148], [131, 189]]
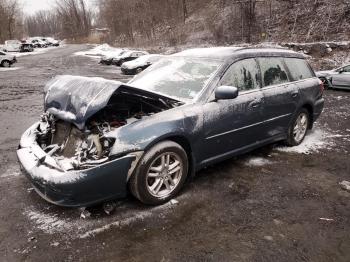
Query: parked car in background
[[52, 41], [138, 65], [12, 46], [128, 56], [37, 43], [25, 47], [338, 78], [7, 60], [112, 55], [190, 110]]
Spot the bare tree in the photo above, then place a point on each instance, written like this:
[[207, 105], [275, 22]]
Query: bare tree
[[10, 20]]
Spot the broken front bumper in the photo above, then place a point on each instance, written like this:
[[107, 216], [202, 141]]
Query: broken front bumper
[[72, 188]]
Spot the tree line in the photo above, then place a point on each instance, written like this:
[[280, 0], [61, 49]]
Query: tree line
[[173, 22], [69, 19]]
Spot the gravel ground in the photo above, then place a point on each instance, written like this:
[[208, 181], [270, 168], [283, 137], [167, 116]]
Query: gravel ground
[[274, 204]]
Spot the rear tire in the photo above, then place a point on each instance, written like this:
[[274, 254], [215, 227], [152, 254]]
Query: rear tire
[[139, 70], [298, 128], [160, 174]]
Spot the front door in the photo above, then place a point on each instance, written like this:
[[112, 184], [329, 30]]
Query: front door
[[233, 125]]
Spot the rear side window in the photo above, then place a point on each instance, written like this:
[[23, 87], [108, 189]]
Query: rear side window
[[299, 68], [243, 74], [273, 71]]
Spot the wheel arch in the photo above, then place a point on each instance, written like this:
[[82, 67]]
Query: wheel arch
[[184, 142]]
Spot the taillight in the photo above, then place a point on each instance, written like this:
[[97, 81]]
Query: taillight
[[321, 86]]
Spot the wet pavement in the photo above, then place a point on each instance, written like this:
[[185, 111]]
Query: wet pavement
[[274, 204]]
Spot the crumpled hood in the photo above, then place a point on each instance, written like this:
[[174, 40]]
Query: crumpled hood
[[75, 98]]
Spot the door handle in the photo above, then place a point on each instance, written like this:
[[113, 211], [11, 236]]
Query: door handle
[[255, 104]]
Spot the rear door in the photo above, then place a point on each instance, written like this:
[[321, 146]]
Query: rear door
[[342, 78], [281, 96], [231, 125]]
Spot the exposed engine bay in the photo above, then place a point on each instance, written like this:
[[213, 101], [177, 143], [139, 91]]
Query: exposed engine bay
[[78, 149]]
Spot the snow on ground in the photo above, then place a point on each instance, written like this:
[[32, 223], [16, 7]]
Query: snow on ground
[[37, 51], [12, 171], [99, 51], [3, 69], [49, 223], [77, 227], [257, 161], [314, 141]]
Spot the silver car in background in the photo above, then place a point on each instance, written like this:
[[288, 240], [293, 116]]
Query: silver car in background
[[337, 78]]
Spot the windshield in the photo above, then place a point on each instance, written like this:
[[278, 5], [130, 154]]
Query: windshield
[[178, 77]]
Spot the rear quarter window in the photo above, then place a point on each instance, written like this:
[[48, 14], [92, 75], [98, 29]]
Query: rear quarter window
[[299, 68], [273, 71]]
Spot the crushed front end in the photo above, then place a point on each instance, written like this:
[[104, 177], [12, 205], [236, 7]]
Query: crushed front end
[[71, 170]]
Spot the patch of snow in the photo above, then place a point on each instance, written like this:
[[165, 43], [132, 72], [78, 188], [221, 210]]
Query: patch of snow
[[12, 171], [174, 202], [99, 51], [2, 69], [258, 162], [49, 223], [124, 222], [345, 185], [314, 140]]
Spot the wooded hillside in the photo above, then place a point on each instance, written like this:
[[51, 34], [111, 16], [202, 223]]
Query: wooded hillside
[[175, 22]]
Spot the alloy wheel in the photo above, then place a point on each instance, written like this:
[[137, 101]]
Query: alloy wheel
[[164, 174], [6, 64], [300, 127]]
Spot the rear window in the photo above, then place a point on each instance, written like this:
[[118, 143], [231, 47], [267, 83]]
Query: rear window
[[273, 71], [299, 68]]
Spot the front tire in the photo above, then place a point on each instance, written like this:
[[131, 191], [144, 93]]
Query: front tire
[[298, 128], [161, 173], [5, 63]]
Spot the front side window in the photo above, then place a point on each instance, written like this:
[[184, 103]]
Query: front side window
[[298, 68], [243, 74], [273, 71]]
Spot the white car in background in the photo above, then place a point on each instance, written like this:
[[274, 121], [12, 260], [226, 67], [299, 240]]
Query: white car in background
[[138, 65], [52, 41], [7, 60], [12, 46], [107, 59], [128, 56], [37, 42]]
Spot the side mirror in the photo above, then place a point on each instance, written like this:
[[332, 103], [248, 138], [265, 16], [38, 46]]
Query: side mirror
[[226, 92], [341, 70]]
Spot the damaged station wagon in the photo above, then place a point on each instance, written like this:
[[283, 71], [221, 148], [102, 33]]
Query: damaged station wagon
[[97, 137]]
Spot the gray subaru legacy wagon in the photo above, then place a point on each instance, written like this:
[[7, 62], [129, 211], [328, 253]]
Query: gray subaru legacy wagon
[[100, 139]]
